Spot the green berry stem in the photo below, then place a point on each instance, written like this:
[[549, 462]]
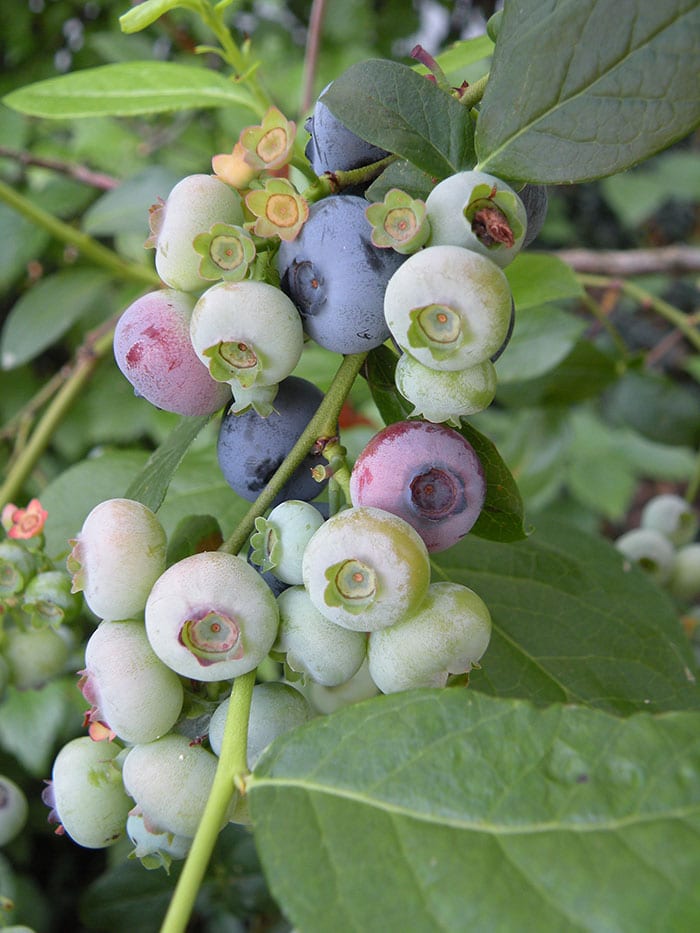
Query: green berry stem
[[90, 248], [672, 314], [89, 355], [333, 182], [323, 424], [474, 92], [229, 777]]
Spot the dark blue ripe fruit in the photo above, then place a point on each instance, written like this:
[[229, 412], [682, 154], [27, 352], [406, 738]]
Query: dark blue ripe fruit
[[333, 147], [336, 277], [251, 448]]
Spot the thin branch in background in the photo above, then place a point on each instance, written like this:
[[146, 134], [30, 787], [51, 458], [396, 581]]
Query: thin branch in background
[[79, 172], [667, 260], [313, 39]]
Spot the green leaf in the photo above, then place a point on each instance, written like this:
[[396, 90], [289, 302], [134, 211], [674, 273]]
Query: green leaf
[[33, 722], [541, 339], [446, 810], [151, 485], [461, 54], [401, 175], [147, 13], [581, 90], [127, 89], [391, 106], [658, 407], [501, 518], [22, 241], [47, 311], [536, 279], [77, 490], [574, 623], [125, 208], [582, 374]]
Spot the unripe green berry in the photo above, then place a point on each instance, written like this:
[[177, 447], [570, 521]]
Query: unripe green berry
[[675, 518], [684, 582], [650, 550], [13, 810], [441, 396]]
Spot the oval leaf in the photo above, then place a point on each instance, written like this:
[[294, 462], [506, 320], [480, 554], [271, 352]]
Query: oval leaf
[[446, 810], [574, 623], [391, 106], [47, 311], [127, 89], [586, 88]]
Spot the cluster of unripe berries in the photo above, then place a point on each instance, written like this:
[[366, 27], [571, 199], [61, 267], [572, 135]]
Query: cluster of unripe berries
[[252, 269], [665, 546]]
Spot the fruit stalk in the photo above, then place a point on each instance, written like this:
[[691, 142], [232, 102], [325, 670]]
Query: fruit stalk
[[323, 424], [229, 775]]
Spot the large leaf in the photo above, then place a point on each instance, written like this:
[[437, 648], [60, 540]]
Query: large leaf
[[391, 106], [536, 278], [542, 338], [581, 89], [446, 810], [501, 517], [47, 310], [574, 623], [128, 89]]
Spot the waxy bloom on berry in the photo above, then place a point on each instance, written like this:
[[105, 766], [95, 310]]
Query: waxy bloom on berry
[[280, 209], [24, 523]]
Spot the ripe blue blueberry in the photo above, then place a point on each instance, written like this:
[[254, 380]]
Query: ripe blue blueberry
[[333, 147], [336, 277], [251, 448]]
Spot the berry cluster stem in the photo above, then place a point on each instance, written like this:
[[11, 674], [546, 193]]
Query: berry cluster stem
[[230, 774], [323, 424]]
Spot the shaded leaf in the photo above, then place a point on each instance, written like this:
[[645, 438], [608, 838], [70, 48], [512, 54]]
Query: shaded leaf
[[473, 813], [127, 89], [657, 407], [396, 109], [47, 311], [125, 208], [568, 625], [147, 13], [581, 90], [151, 485], [536, 279], [541, 339]]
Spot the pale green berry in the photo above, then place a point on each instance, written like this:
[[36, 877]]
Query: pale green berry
[[13, 810], [447, 635], [479, 212], [170, 781], [675, 518], [366, 568], [87, 794], [248, 333], [280, 539], [117, 557], [154, 849], [130, 689], [194, 205], [650, 550], [36, 656], [275, 708], [327, 700], [448, 307], [684, 582], [439, 395], [211, 617], [327, 653]]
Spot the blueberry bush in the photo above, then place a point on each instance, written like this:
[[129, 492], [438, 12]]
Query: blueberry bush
[[350, 570]]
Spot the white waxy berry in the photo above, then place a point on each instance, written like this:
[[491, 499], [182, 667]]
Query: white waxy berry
[[280, 539], [211, 617]]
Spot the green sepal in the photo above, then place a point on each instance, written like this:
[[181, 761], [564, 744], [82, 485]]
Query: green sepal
[[266, 545]]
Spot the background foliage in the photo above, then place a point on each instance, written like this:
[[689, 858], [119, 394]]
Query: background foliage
[[587, 708]]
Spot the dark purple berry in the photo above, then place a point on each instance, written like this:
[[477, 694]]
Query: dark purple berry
[[333, 147], [251, 448]]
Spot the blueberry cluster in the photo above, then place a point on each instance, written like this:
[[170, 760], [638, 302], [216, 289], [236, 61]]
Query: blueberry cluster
[[341, 597], [664, 546]]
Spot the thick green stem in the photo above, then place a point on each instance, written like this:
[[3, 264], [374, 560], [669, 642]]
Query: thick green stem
[[88, 247], [88, 359], [323, 424], [646, 298], [230, 774]]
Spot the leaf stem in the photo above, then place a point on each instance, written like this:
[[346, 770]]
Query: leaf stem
[[90, 248], [229, 776], [647, 299], [323, 424]]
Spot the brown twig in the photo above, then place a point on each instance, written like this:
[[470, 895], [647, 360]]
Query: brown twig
[[662, 260], [313, 38], [73, 170]]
